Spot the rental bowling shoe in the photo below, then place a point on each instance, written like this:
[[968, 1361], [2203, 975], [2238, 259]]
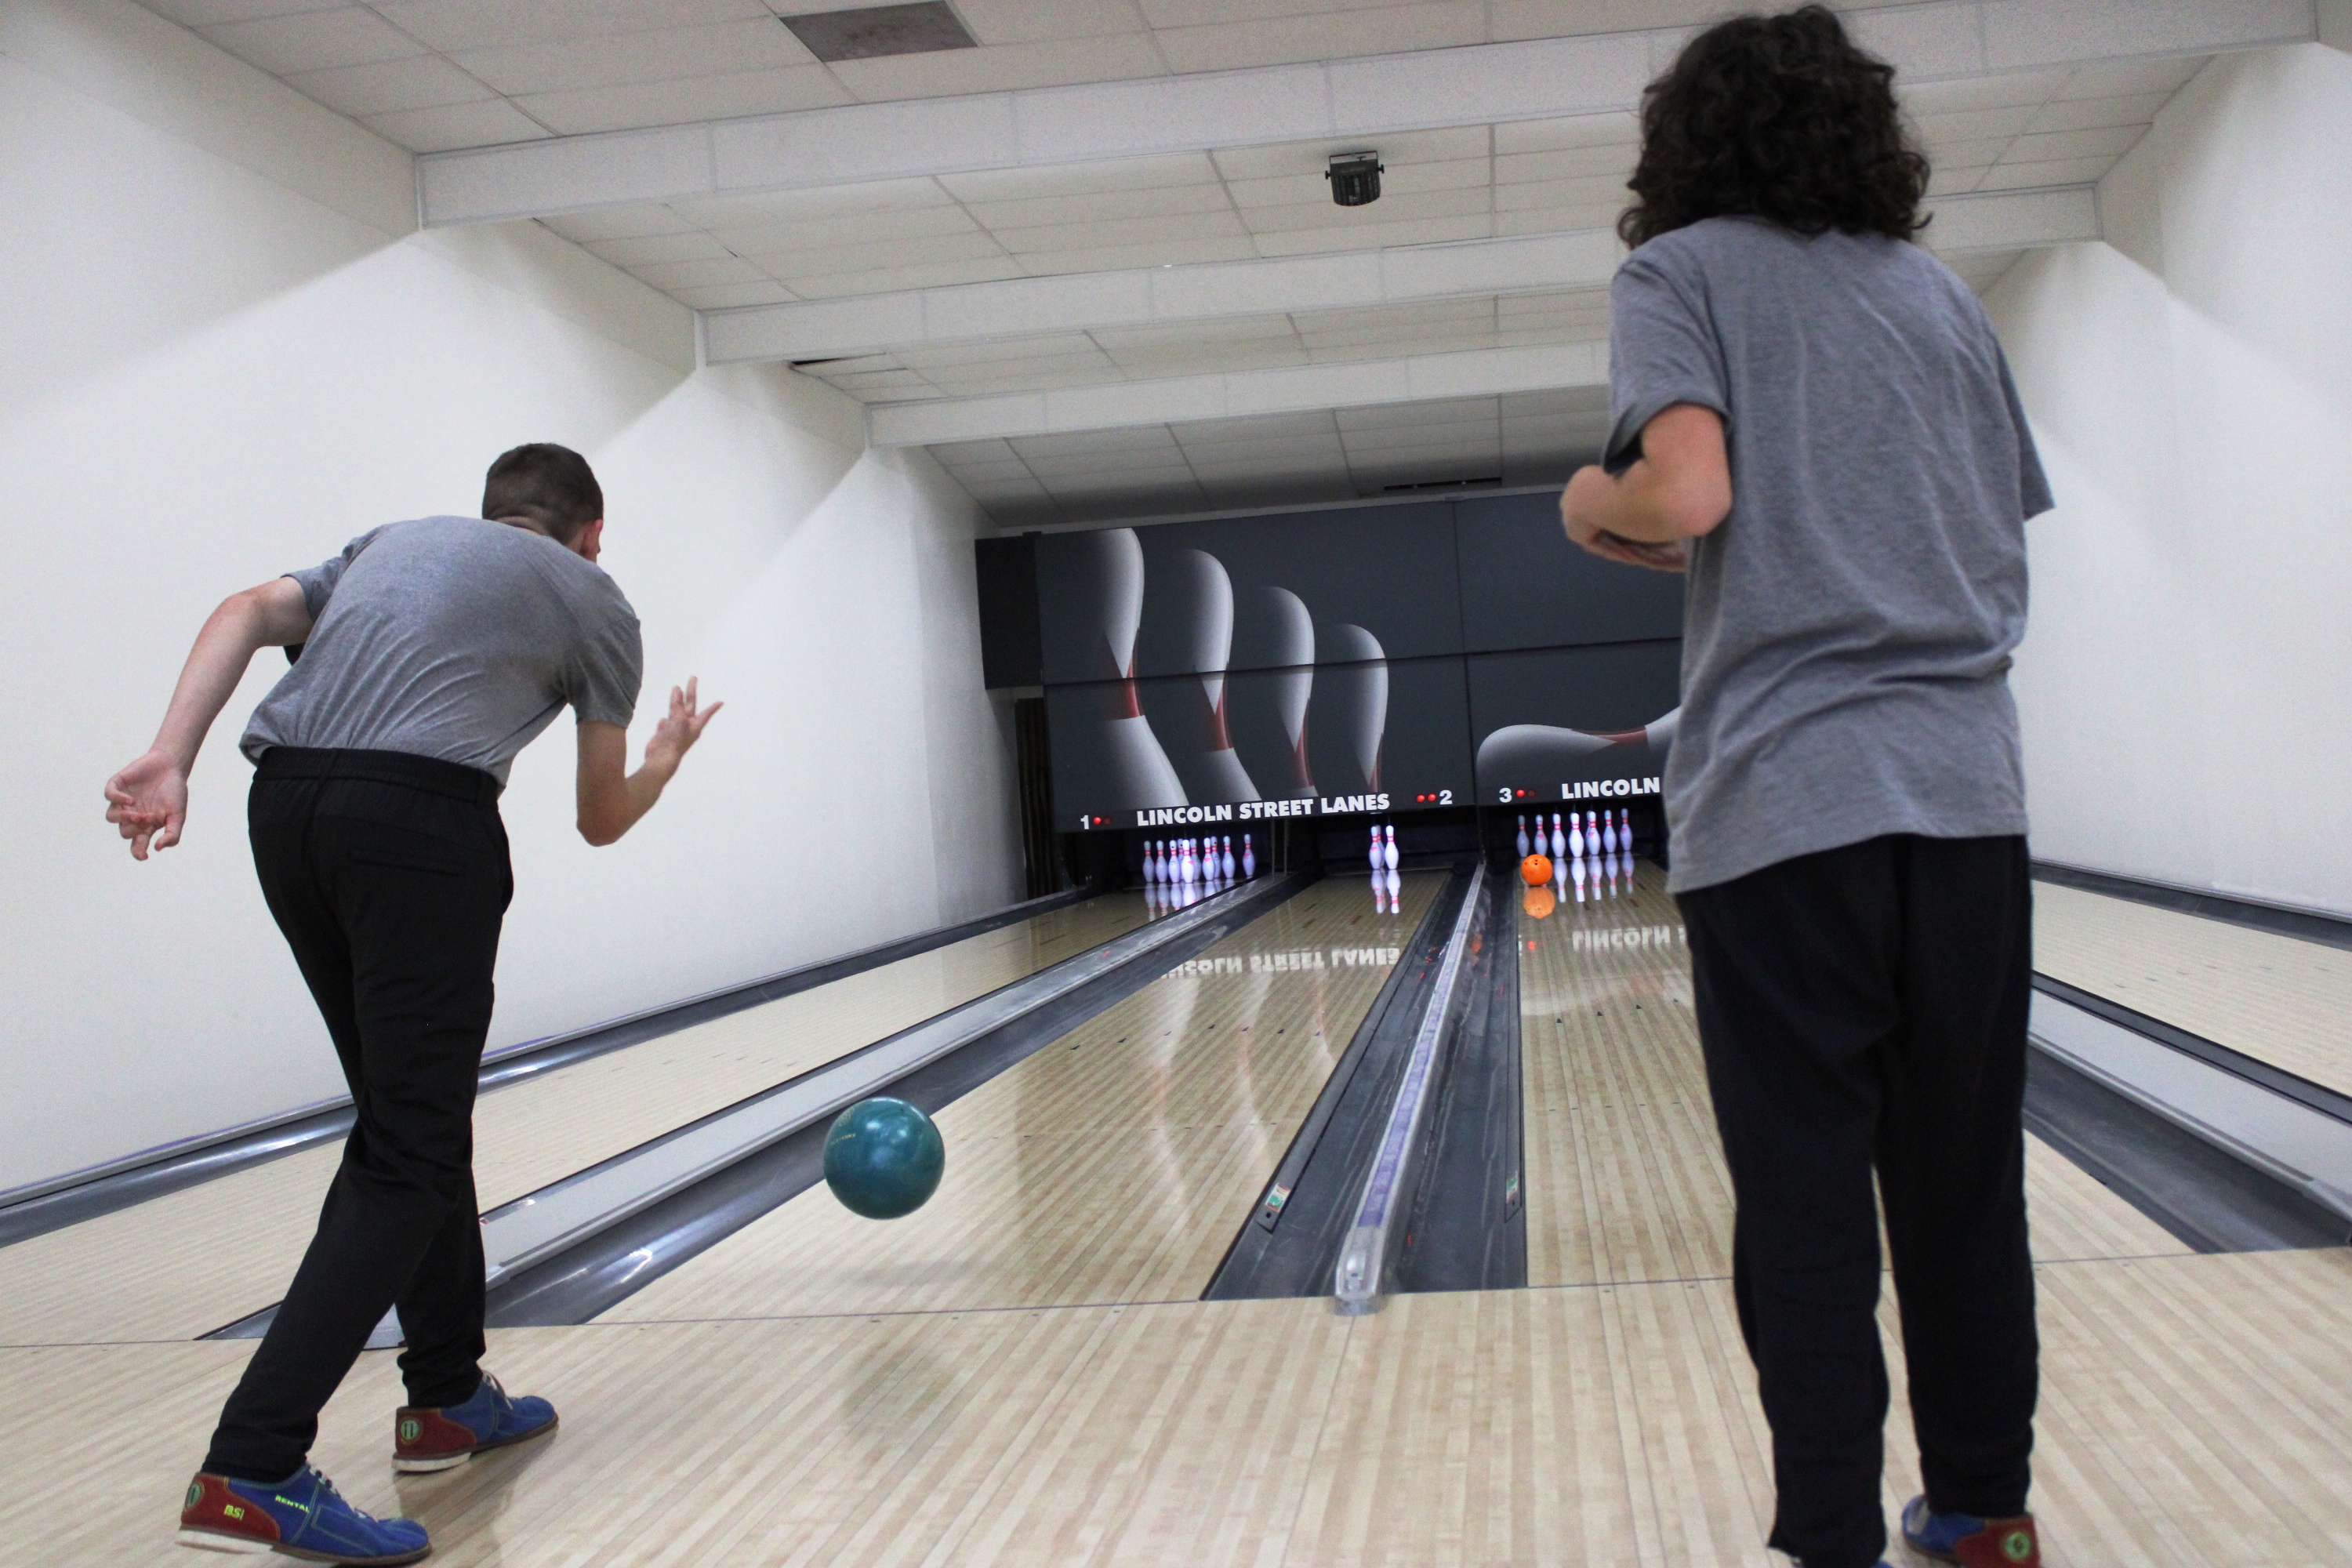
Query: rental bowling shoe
[[424, 1439], [1972, 1542], [302, 1516]]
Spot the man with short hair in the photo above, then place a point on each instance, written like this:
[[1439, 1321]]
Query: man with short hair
[[424, 657]]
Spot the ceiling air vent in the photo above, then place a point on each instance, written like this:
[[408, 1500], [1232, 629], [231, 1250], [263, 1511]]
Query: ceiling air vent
[[879, 30]]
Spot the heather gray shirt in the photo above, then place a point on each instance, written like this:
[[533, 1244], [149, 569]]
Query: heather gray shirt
[[455, 639], [1847, 637]]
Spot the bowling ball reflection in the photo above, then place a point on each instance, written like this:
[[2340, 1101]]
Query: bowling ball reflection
[[883, 1158], [1538, 902], [1536, 870]]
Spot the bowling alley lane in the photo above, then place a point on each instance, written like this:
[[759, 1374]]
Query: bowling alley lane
[[2279, 999], [189, 1262], [1115, 1165], [1626, 1179]]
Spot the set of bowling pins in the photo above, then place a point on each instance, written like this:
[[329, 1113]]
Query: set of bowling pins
[[1600, 851], [1386, 883], [1180, 872]]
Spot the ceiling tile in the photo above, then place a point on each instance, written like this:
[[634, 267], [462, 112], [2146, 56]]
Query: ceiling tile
[[811, 234], [2052, 147], [1389, 30], [1140, 439], [1039, 21], [1563, 220], [934, 275], [2092, 113], [1955, 180], [1257, 426], [1396, 415], [1031, 348], [1614, 162], [1122, 258], [1590, 191], [1385, 213], [1556, 400], [210, 13], [636, 105], [454, 25], [1212, 334], [1427, 231], [618, 60], [731, 296], [617, 222], [800, 206], [2122, 79], [2012, 90], [2024, 177], [1557, 18], [444, 126], [882, 256], [1041, 212], [1576, 131], [1171, 229], [1293, 159], [697, 274], [1976, 124], [1002, 69], [639, 251], [388, 87], [314, 40], [1081, 179]]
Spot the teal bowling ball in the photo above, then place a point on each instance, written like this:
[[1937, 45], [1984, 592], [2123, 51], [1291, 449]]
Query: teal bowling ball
[[883, 1158]]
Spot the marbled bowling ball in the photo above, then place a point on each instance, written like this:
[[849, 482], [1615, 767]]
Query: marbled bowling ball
[[883, 1158]]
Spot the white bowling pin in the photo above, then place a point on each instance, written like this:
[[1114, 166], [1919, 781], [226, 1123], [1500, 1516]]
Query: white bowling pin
[[1229, 863], [1609, 833], [1558, 840], [1390, 858], [1575, 836], [1378, 860], [1523, 838], [1249, 856]]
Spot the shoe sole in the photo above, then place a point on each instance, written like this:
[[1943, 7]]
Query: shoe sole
[[211, 1541], [427, 1465]]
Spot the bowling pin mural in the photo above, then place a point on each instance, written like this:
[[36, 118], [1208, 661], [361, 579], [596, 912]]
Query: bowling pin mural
[[1545, 755], [1350, 709], [1189, 625], [1138, 772], [1274, 637]]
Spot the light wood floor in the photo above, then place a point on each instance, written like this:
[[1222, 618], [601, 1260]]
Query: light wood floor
[[2278, 999], [1115, 1165], [1625, 1180], [186, 1263], [2195, 1414]]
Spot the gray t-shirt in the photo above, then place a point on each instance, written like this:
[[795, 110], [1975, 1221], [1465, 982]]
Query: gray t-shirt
[[1846, 644], [455, 639]]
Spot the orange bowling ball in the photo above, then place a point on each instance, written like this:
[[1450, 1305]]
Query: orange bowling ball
[[1536, 870], [1538, 902]]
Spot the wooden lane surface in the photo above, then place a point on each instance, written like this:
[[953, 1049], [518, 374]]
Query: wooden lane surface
[[189, 1262], [2278, 999], [1625, 1176], [1113, 1165], [2195, 1413]]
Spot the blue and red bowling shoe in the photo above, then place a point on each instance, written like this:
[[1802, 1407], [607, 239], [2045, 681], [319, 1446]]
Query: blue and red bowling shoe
[[302, 1516]]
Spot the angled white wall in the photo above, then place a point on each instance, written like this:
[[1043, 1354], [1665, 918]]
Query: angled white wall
[[227, 351], [2184, 685]]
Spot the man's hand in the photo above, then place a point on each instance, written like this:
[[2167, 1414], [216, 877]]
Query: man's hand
[[148, 801], [1679, 489], [679, 729], [611, 799]]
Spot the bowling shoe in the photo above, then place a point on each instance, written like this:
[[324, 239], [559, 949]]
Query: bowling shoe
[[424, 1439], [302, 1516], [1972, 1541]]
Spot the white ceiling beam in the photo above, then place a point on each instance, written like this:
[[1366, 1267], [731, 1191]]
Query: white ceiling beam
[[1111, 405], [1204, 291], [1331, 99]]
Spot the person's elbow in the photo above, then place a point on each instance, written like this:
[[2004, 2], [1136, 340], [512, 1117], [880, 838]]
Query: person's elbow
[[1697, 506], [601, 825]]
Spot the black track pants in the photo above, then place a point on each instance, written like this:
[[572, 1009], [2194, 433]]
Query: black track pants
[[1866, 1008], [388, 873]]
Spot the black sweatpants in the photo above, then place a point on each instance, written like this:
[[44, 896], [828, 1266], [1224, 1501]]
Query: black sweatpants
[[388, 873], [1864, 1008]]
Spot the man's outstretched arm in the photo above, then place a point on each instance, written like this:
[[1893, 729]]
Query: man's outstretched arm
[[148, 801], [612, 798]]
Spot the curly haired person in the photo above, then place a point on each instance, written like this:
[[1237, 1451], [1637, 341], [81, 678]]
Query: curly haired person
[[1810, 415]]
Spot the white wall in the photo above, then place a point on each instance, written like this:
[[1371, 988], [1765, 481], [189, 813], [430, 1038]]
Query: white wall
[[2186, 684], [224, 351]]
